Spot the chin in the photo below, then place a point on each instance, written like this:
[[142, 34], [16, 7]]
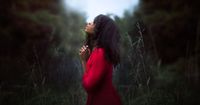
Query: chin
[[88, 33]]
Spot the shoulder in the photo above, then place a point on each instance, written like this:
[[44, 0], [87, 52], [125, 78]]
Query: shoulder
[[100, 54], [99, 51]]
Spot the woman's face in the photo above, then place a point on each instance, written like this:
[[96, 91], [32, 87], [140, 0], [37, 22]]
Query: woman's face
[[89, 28]]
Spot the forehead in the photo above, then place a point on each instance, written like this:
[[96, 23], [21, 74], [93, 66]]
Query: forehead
[[91, 22]]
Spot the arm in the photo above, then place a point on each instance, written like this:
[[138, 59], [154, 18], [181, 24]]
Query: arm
[[84, 55], [96, 72]]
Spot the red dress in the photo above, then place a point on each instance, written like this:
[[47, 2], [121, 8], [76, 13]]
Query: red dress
[[97, 80]]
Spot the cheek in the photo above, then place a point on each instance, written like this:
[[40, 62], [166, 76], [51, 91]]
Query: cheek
[[91, 29]]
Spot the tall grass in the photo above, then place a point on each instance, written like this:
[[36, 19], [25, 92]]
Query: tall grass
[[45, 96], [144, 81]]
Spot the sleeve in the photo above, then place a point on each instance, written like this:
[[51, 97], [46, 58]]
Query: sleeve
[[96, 72]]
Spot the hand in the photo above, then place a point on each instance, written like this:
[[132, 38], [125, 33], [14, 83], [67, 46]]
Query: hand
[[84, 52]]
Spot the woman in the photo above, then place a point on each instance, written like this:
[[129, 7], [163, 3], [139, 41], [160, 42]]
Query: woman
[[98, 56]]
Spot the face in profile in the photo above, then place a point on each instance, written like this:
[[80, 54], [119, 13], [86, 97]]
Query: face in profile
[[89, 28]]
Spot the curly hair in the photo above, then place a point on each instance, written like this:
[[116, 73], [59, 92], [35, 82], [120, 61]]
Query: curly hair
[[107, 36]]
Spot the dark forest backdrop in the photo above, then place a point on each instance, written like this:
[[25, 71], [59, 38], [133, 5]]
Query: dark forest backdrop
[[39, 62]]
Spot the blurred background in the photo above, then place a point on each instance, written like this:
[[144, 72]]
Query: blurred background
[[40, 40]]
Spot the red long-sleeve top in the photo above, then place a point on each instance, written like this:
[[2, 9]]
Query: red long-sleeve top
[[97, 80]]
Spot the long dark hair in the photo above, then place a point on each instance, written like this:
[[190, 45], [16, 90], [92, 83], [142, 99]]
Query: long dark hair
[[107, 36]]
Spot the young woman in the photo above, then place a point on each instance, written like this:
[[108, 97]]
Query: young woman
[[99, 55]]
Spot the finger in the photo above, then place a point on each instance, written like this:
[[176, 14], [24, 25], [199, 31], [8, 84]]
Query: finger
[[81, 53], [84, 47], [81, 50]]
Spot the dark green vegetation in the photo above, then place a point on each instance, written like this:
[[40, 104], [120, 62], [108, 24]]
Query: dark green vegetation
[[39, 62]]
